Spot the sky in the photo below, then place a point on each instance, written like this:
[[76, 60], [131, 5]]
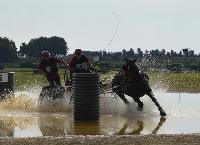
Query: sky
[[110, 25]]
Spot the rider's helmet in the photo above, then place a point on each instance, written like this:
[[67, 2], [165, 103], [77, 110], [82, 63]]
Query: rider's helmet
[[45, 54], [78, 51]]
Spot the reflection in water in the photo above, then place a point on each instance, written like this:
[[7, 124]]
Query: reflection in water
[[57, 105], [9, 123], [54, 125], [61, 124], [162, 120], [86, 128], [139, 128], [6, 129], [20, 117], [135, 131]]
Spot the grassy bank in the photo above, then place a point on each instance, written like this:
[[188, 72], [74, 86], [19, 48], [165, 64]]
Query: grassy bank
[[169, 81], [176, 82], [26, 78]]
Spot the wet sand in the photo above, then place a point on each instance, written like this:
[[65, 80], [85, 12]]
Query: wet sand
[[179, 139]]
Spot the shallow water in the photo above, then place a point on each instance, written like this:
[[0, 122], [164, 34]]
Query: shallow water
[[21, 117]]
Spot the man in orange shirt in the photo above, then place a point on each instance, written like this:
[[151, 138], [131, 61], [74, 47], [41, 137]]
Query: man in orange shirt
[[48, 67]]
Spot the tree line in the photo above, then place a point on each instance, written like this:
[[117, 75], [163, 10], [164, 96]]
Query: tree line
[[58, 46], [139, 53], [32, 50]]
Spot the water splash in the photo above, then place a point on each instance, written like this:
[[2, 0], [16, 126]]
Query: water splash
[[111, 105], [61, 105], [19, 103], [27, 101]]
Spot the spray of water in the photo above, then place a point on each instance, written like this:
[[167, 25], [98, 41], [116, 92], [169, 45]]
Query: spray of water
[[26, 100], [111, 105], [147, 65], [8, 124], [20, 103]]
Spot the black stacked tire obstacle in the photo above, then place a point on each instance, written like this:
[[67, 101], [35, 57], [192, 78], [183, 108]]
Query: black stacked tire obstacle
[[86, 96], [7, 84]]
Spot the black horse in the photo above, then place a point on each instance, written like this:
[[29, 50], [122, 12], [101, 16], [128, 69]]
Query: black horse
[[132, 82]]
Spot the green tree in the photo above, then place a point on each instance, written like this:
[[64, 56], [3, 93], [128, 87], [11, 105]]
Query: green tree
[[55, 45], [140, 52], [124, 52], [173, 53], [24, 51], [162, 53], [8, 50], [191, 53], [130, 53], [117, 56], [154, 53], [185, 51]]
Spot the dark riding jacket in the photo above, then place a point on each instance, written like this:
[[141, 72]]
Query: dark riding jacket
[[50, 67], [74, 61]]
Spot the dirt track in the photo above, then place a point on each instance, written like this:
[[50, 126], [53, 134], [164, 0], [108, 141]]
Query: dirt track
[[187, 139]]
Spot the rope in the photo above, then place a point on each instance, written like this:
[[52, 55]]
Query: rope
[[116, 29]]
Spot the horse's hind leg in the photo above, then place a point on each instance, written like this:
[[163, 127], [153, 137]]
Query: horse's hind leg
[[162, 112], [123, 98]]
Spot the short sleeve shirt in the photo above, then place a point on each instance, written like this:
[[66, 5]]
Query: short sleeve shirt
[[50, 67], [74, 61]]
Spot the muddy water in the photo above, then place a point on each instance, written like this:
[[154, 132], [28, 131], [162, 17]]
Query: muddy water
[[21, 117]]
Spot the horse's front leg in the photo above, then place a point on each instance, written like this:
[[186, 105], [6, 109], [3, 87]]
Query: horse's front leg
[[162, 112], [121, 95], [140, 103]]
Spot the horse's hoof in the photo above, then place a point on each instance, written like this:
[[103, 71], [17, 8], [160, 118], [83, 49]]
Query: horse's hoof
[[162, 112], [139, 108]]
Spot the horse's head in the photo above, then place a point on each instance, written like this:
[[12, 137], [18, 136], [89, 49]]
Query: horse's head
[[130, 68]]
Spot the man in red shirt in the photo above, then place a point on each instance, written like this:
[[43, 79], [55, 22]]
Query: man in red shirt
[[76, 61], [48, 67]]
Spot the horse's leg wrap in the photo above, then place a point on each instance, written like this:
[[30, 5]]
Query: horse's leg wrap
[[162, 112]]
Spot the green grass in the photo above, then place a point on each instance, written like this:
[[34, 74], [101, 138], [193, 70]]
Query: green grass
[[170, 81], [176, 82], [25, 78], [18, 69]]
